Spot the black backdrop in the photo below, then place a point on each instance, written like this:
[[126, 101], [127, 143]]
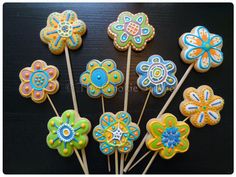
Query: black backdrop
[[24, 122]]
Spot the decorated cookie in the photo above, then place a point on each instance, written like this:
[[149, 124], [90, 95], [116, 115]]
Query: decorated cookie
[[167, 136], [201, 48], [63, 29], [101, 78], [131, 29], [201, 106], [38, 80], [157, 75], [116, 132], [65, 134]]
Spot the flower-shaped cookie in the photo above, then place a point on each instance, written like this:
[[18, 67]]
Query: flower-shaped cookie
[[116, 132], [65, 134], [38, 80], [63, 29], [201, 106], [131, 29], [101, 78], [157, 75], [167, 136], [202, 48]]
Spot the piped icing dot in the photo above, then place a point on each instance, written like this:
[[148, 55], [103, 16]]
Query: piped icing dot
[[37, 66], [26, 88], [51, 141], [109, 90], [38, 94], [52, 123], [80, 142], [65, 151], [68, 115], [82, 125]]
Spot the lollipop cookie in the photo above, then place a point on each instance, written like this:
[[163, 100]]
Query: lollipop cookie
[[65, 134], [201, 106], [38, 81], [201, 48], [63, 29]]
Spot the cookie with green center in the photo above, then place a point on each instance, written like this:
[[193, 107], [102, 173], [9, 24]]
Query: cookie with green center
[[63, 29], [131, 30], [101, 78], [167, 136], [66, 134]]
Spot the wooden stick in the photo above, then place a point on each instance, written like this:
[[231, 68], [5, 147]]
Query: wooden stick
[[80, 161], [139, 160], [122, 163], [127, 79], [53, 107], [161, 112], [135, 154], [108, 163], [144, 106], [116, 161], [186, 119], [72, 87], [150, 163], [103, 105]]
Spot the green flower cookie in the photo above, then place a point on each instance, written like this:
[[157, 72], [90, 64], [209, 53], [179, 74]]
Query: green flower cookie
[[65, 133], [131, 29]]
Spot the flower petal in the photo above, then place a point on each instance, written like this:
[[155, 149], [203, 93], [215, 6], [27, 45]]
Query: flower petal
[[155, 127], [92, 65], [93, 91], [109, 91], [183, 145], [109, 65], [106, 120], [119, 27], [38, 96], [158, 90], [106, 149], [74, 41], [82, 126], [53, 124], [203, 33], [193, 53], [85, 78], [216, 57], [53, 141], [53, 19], [98, 134], [155, 59], [169, 120], [171, 82], [191, 40], [203, 64], [65, 149], [198, 119], [126, 147], [142, 67], [25, 89], [191, 94], [38, 65], [25, 74], [79, 27], [213, 117], [216, 41], [170, 67], [167, 153], [52, 71], [68, 117], [205, 93], [217, 103], [145, 31], [69, 16], [188, 108], [183, 129], [57, 45], [123, 117], [116, 77], [124, 37], [137, 39], [79, 142], [134, 131], [154, 144], [52, 87]]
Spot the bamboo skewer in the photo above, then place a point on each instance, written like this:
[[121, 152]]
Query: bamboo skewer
[[161, 112], [72, 87], [139, 160], [53, 107], [116, 161], [150, 162], [144, 106]]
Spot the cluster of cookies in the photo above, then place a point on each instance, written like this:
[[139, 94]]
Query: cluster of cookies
[[166, 135]]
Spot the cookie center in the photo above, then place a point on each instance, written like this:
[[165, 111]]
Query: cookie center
[[157, 73], [39, 80], [99, 77], [65, 133], [206, 46], [132, 28], [65, 29], [171, 137]]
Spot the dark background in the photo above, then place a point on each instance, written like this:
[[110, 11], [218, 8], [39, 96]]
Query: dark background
[[25, 122]]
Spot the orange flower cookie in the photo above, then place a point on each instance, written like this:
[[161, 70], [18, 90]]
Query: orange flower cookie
[[201, 106], [38, 80], [63, 29]]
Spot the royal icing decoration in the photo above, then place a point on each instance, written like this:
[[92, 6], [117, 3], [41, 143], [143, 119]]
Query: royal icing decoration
[[101, 78], [116, 132], [157, 75], [65, 134], [63, 29], [38, 80], [131, 29], [167, 136], [201, 106], [201, 48]]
